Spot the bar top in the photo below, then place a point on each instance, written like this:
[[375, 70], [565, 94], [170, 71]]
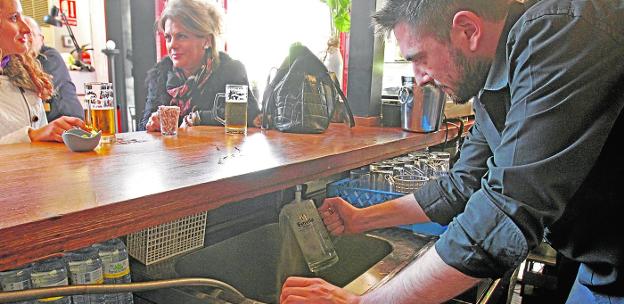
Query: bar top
[[54, 200]]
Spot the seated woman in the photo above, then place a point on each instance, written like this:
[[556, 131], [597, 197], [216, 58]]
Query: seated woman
[[23, 85], [194, 72]]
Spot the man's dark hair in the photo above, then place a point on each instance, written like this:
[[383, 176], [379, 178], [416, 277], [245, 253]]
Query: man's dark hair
[[434, 16]]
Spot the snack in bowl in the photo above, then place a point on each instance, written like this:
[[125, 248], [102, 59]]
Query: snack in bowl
[[78, 140]]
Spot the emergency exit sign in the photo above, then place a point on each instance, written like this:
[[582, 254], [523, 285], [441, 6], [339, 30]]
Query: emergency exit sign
[[69, 8]]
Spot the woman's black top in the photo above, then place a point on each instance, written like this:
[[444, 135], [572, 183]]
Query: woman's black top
[[228, 71]]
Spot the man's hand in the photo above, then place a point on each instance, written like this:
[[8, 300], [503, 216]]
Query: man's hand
[[54, 130], [153, 124], [340, 217], [314, 291]]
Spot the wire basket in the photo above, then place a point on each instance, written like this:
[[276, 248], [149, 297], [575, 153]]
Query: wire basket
[[407, 183], [160, 242], [360, 197]]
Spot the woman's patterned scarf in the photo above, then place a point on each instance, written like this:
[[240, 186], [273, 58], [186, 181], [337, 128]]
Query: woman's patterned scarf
[[182, 89]]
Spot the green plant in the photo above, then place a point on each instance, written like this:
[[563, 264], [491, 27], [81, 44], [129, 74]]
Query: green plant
[[340, 11]]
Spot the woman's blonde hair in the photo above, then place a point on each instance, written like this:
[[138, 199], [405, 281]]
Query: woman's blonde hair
[[200, 17], [26, 72]]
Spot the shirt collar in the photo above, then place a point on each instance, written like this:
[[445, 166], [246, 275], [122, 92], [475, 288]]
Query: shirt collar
[[497, 78]]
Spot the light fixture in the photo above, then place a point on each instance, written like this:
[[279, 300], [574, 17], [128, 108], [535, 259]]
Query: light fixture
[[52, 19]]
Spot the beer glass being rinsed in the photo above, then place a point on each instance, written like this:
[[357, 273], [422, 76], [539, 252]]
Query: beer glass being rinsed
[[101, 107], [235, 120]]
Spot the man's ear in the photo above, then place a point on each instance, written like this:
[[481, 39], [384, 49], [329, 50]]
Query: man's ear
[[466, 31]]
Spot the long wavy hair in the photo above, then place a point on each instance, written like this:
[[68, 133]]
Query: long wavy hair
[[26, 72]]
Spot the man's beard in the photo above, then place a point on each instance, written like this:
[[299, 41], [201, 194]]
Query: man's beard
[[473, 75]]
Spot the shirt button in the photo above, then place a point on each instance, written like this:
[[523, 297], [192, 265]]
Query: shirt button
[[35, 118]]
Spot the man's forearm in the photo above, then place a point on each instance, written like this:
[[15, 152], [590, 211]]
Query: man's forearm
[[426, 280], [399, 211]]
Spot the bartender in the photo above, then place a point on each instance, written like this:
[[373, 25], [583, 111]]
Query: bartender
[[540, 162]]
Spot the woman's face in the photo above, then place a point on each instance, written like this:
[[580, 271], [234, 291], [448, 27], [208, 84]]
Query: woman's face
[[13, 29], [185, 49]]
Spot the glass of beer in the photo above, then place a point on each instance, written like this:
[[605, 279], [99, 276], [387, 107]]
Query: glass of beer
[[101, 109], [235, 120]]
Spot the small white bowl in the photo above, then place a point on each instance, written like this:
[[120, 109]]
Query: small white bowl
[[78, 140]]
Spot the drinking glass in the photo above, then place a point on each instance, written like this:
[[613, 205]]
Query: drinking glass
[[101, 108], [168, 116], [360, 177], [235, 120], [442, 160]]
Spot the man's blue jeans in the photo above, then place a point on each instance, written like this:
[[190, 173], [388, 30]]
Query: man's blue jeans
[[580, 294]]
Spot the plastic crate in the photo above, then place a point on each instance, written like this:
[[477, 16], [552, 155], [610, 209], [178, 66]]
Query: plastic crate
[[160, 242], [361, 198]]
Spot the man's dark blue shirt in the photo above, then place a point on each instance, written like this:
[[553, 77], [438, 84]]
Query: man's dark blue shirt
[[541, 160]]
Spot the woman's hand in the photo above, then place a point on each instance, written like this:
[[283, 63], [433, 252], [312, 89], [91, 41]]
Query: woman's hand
[[340, 217], [153, 124], [257, 122], [192, 119], [54, 130]]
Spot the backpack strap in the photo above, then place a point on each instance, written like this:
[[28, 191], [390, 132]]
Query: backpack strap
[[268, 103]]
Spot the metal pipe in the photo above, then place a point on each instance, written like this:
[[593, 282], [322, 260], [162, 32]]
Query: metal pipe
[[38, 293], [487, 296]]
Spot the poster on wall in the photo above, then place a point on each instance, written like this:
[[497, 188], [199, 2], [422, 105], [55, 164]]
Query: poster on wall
[[69, 8]]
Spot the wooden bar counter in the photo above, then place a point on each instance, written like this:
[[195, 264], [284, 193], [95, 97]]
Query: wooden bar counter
[[54, 200]]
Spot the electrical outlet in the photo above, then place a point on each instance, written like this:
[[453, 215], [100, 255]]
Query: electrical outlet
[[67, 41]]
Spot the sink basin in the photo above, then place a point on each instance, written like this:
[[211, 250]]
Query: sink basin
[[251, 263]]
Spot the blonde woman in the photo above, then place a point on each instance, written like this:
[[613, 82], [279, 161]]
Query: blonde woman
[[194, 72], [23, 85]]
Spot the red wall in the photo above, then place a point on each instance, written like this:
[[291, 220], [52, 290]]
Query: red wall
[[161, 50]]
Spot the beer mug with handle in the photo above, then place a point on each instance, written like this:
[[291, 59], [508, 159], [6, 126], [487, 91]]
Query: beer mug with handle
[[235, 120], [101, 109]]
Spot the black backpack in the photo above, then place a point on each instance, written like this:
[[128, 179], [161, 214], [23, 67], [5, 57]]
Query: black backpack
[[303, 96]]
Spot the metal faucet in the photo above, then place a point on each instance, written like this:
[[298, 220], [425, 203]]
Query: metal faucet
[[38, 293]]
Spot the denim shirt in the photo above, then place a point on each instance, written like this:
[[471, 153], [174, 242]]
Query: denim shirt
[[540, 160], [65, 101]]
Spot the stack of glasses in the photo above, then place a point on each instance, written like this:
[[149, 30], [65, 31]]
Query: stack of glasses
[[403, 174], [390, 179]]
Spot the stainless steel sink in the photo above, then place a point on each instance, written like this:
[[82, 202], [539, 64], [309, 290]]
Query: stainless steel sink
[[250, 262]]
